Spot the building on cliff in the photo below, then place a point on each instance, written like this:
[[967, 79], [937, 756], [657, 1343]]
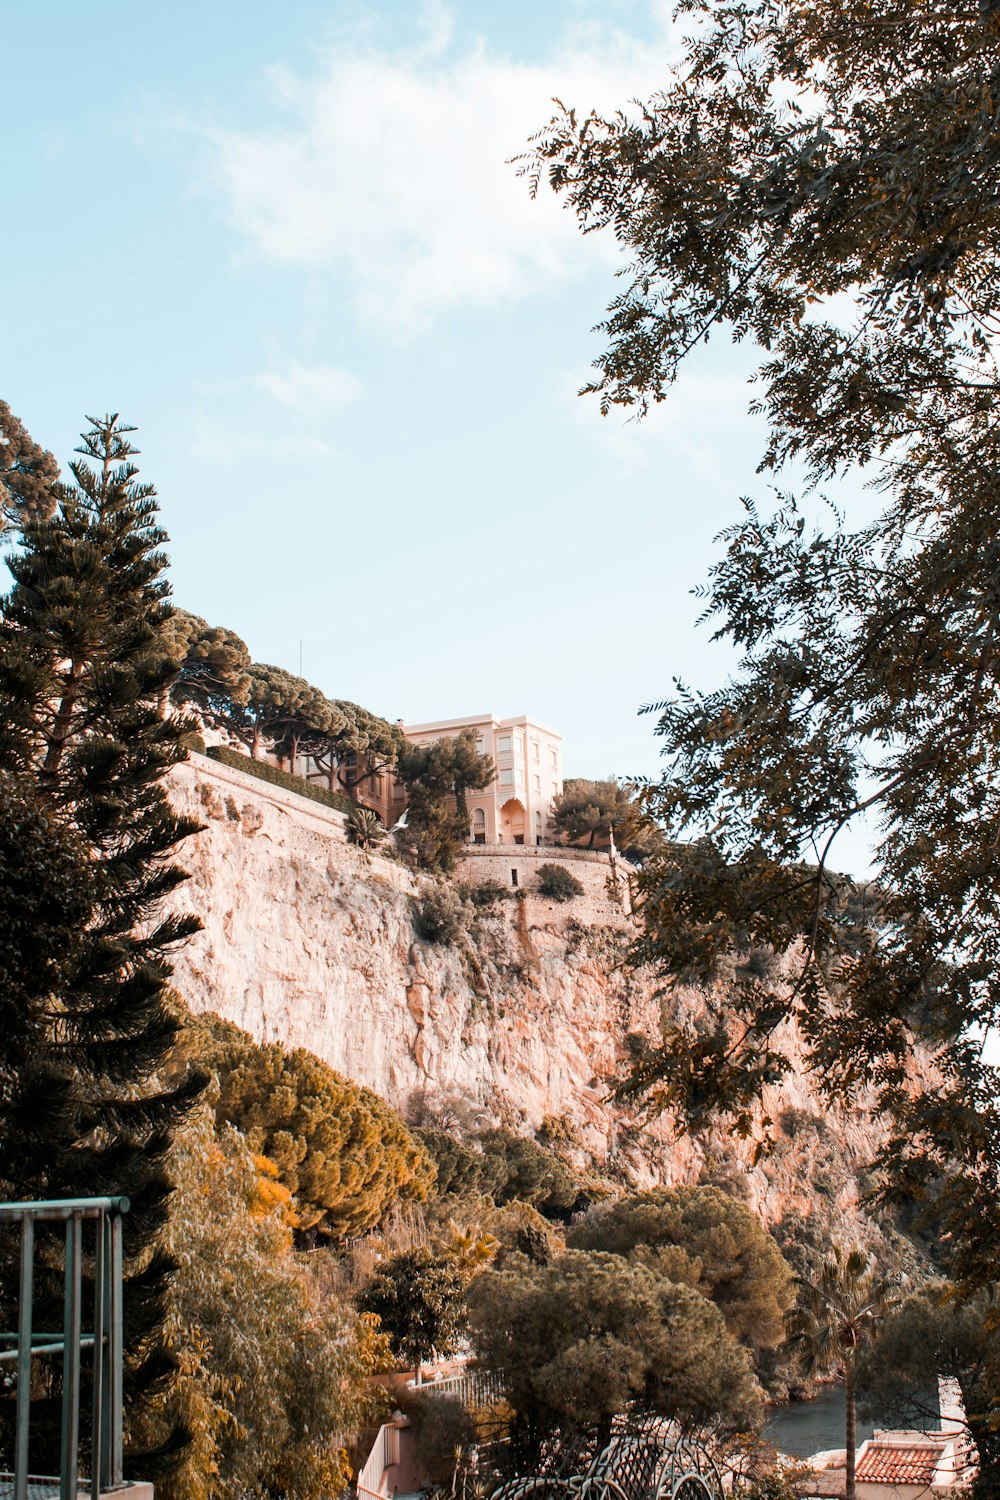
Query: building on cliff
[[516, 808]]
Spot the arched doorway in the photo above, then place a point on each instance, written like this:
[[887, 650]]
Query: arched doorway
[[512, 818]]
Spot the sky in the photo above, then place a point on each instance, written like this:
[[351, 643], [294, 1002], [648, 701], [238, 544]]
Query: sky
[[288, 243]]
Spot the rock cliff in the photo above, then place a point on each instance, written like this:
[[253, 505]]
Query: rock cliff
[[312, 942]]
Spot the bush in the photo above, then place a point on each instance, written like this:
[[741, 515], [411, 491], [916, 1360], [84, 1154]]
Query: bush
[[440, 915], [364, 828], [193, 741], [489, 893], [273, 774], [558, 883]]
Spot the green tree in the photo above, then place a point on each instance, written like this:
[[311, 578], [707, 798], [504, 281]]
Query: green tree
[[595, 809], [343, 1153], [586, 1337], [706, 1239], [437, 778], [524, 1171], [419, 1299], [28, 474], [837, 1313], [814, 179], [935, 1333], [273, 1380], [364, 828], [82, 674], [358, 748], [213, 668]]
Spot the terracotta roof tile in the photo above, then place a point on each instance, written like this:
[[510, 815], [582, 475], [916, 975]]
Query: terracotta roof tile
[[885, 1464]]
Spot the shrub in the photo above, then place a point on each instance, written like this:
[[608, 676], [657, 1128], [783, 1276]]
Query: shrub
[[364, 827], [193, 741], [489, 893], [440, 915], [558, 883], [273, 774]]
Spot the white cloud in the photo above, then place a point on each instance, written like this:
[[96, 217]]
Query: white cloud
[[309, 389], [390, 168]]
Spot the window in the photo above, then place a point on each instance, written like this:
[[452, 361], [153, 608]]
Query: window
[[479, 826], [537, 783], [507, 777], [536, 750], [480, 744], [519, 776], [513, 877], [555, 759], [555, 789], [504, 744], [538, 828]]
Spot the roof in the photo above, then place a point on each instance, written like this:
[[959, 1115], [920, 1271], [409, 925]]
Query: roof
[[885, 1463]]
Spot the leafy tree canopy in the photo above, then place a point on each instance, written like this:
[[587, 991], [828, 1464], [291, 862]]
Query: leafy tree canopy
[[419, 1299], [585, 1337], [819, 179], [524, 1171], [595, 809], [339, 1149], [704, 1238], [273, 1381], [28, 474], [437, 778]]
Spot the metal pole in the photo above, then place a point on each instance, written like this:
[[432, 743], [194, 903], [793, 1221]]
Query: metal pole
[[115, 1342], [69, 1466], [97, 1410], [26, 1292]]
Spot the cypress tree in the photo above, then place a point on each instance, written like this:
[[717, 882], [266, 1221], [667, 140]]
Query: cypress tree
[[83, 672]]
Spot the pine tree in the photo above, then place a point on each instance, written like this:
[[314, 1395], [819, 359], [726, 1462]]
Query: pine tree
[[83, 670]]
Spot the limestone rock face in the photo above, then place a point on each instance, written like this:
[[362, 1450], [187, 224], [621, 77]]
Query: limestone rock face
[[311, 942]]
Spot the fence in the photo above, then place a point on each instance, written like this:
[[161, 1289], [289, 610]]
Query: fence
[[473, 1387], [105, 1340]]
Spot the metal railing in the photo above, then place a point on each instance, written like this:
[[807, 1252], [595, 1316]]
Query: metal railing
[[105, 1340]]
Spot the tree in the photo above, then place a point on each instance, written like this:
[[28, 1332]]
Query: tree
[[28, 474], [526, 1172], [706, 1239], [213, 668], [933, 1333], [597, 809], [337, 1147], [816, 179], [419, 1299], [82, 674], [273, 1382], [837, 1313], [437, 778], [588, 1336], [358, 748]]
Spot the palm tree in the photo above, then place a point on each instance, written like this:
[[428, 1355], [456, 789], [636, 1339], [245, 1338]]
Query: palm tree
[[837, 1311]]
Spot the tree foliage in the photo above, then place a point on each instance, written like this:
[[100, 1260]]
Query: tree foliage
[[820, 180], [707, 1240], [338, 1148], [28, 474], [590, 1335], [273, 1381], [437, 778], [595, 810], [837, 1313], [419, 1299], [83, 672], [558, 883]]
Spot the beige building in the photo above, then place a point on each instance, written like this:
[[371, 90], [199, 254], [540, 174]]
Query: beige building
[[517, 807]]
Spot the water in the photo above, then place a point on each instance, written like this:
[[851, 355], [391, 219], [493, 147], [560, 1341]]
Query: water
[[805, 1427]]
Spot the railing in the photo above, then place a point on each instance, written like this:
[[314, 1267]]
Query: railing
[[105, 1340], [473, 1388], [385, 1453]]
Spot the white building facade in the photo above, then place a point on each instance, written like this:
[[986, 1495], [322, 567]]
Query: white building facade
[[517, 807]]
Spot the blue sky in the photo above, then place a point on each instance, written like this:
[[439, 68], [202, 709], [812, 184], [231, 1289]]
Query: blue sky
[[284, 241]]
